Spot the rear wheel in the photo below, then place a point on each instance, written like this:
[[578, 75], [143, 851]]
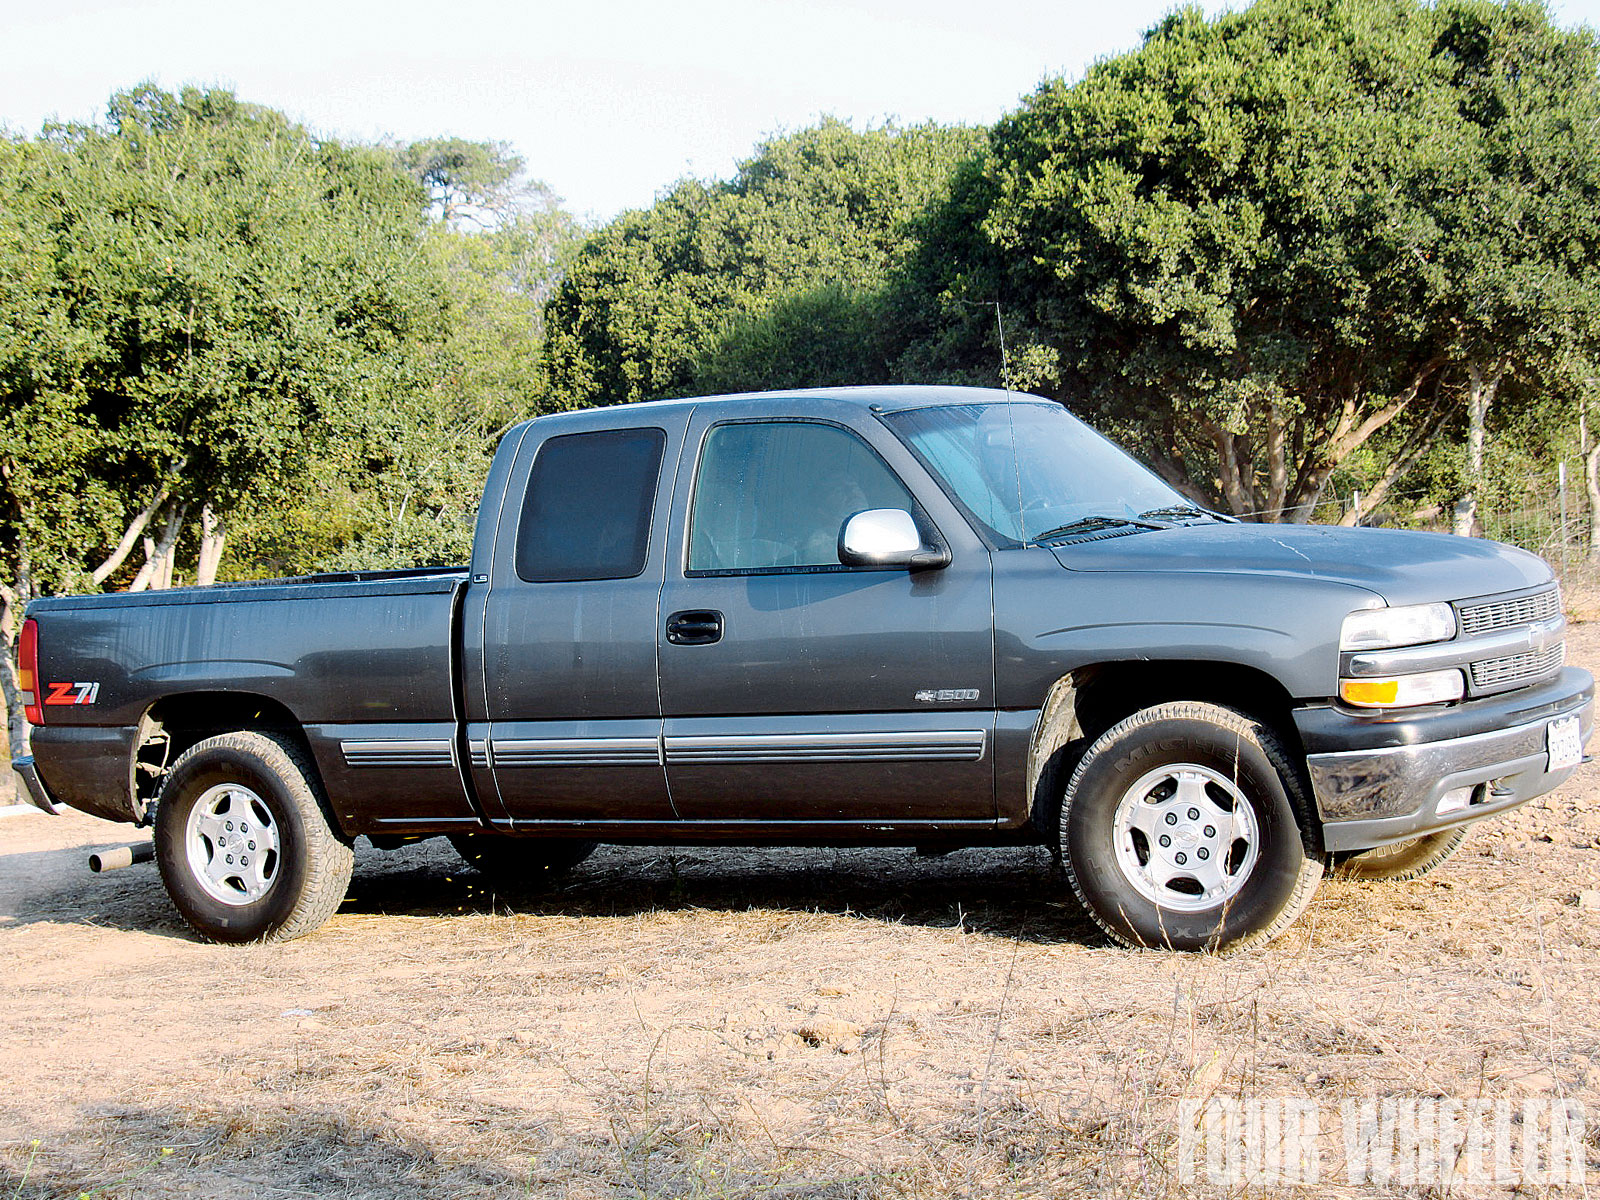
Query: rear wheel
[[1181, 828], [522, 864], [244, 845], [1403, 860]]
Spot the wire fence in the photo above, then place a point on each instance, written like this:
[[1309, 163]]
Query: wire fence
[[1548, 513]]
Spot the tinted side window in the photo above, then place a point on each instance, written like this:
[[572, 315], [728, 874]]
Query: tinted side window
[[776, 494], [588, 508]]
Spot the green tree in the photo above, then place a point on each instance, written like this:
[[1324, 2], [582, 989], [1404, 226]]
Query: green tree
[[778, 277], [410, 492], [1256, 242], [201, 301], [219, 331], [1512, 245], [466, 181]]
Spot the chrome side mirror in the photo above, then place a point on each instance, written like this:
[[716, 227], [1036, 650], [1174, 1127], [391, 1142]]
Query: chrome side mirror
[[887, 537]]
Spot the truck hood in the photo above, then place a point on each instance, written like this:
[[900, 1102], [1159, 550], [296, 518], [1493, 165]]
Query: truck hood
[[1401, 566]]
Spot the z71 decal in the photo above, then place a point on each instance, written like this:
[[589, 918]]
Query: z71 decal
[[72, 693]]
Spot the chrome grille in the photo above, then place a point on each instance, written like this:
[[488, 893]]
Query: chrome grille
[[1515, 668], [1503, 614]]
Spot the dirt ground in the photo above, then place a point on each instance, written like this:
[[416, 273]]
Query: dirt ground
[[794, 1023]]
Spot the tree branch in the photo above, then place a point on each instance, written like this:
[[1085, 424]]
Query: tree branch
[[138, 525], [1239, 498], [1397, 469], [1352, 438], [158, 554], [130, 538]]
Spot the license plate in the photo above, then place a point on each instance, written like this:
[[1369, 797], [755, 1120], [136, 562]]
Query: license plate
[[1564, 741]]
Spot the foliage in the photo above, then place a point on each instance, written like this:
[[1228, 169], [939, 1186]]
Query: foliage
[[465, 180], [1258, 240], [207, 307], [219, 293], [775, 278], [1247, 248], [427, 451], [216, 326], [1508, 227], [1293, 241]]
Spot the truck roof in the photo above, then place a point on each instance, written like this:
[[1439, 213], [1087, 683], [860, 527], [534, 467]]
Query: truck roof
[[880, 398]]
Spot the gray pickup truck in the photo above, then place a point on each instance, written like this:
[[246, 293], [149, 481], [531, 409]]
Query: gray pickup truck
[[931, 617]]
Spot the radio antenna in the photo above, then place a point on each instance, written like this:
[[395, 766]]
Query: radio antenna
[[1005, 370], [1011, 419]]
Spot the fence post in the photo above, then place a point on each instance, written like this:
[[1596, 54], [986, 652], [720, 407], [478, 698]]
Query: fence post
[[1561, 485]]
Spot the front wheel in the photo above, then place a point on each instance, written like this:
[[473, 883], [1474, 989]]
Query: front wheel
[[244, 846], [1181, 828]]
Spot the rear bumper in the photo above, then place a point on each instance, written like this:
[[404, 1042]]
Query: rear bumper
[[36, 790], [1378, 781]]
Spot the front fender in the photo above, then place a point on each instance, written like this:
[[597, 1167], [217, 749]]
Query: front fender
[[1050, 622]]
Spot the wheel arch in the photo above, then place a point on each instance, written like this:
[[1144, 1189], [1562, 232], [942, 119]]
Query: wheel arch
[[176, 722], [1083, 704]]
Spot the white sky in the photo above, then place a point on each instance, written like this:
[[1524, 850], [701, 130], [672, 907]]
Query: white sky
[[609, 101]]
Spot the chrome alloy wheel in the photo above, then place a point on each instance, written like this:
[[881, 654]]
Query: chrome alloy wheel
[[1186, 837], [232, 844]]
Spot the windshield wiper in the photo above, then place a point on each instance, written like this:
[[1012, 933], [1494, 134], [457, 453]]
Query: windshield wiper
[[1177, 512], [1094, 525]]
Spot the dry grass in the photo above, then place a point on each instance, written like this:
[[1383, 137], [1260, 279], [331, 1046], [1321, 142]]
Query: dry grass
[[752, 1023]]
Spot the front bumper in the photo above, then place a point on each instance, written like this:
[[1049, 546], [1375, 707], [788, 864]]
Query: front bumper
[[1380, 780], [36, 790]]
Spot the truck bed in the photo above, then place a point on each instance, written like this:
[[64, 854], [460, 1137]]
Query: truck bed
[[341, 656]]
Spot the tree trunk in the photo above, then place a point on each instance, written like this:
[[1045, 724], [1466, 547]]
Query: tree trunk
[[130, 538], [1277, 466], [1166, 458], [1348, 435], [1397, 470], [163, 573], [1178, 479], [157, 570], [212, 539], [1236, 488], [137, 526], [1480, 394], [13, 600]]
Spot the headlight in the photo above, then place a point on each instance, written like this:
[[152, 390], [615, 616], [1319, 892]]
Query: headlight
[[1403, 691], [1412, 625]]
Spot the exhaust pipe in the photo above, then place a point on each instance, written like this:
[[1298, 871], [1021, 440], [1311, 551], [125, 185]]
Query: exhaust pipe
[[122, 856]]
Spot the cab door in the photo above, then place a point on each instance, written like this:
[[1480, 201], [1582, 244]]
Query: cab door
[[795, 689], [567, 640]]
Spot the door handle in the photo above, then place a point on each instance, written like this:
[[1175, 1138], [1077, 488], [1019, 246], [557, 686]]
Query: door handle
[[697, 627]]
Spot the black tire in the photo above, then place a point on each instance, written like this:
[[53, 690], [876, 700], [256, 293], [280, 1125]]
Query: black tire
[[521, 864], [1209, 886], [234, 796], [1401, 861]]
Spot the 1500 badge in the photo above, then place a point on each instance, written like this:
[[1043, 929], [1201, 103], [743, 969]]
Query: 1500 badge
[[72, 693], [946, 695]]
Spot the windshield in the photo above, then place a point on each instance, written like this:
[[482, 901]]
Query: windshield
[[1029, 469]]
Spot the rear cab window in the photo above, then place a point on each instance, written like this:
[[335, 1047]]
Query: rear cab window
[[589, 504]]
